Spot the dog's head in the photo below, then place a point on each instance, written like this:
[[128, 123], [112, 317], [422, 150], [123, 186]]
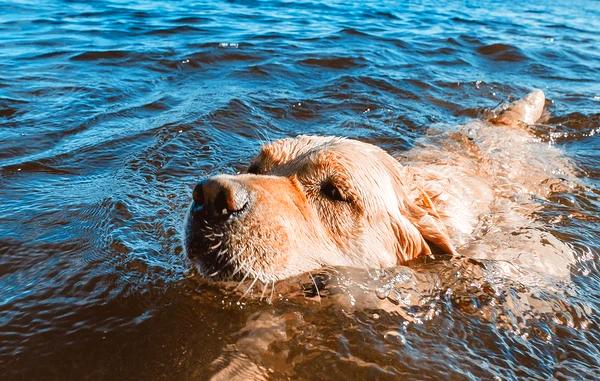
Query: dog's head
[[308, 202]]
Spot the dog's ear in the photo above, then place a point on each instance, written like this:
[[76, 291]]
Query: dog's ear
[[420, 233], [418, 227], [427, 220], [435, 235], [409, 243]]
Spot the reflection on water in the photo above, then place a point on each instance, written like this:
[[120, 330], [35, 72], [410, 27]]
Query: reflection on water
[[110, 112]]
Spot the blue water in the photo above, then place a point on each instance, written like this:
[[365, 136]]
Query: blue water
[[111, 111]]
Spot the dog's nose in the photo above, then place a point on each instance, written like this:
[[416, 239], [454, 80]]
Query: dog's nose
[[220, 196]]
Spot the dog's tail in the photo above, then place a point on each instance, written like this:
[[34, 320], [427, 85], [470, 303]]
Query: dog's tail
[[526, 110]]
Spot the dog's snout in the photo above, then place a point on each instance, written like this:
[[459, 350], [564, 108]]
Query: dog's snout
[[220, 196], [198, 194]]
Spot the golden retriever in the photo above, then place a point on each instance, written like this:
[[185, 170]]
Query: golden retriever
[[314, 201]]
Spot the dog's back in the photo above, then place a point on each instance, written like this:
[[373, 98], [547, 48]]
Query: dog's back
[[483, 180]]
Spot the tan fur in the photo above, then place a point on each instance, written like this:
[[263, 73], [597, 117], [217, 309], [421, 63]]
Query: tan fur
[[391, 213]]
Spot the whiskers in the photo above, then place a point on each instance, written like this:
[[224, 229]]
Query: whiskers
[[256, 277], [316, 286], [221, 258], [265, 287], [249, 288]]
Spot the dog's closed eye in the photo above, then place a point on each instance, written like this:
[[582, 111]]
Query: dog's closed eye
[[332, 192]]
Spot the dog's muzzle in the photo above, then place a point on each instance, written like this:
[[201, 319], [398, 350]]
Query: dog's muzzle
[[217, 202]]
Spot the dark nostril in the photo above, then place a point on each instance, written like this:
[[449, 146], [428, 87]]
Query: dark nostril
[[219, 197], [221, 206], [198, 194]]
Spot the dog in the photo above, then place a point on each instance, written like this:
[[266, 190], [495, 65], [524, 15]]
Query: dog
[[313, 201]]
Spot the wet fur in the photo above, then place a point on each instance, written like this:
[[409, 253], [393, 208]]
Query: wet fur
[[389, 211]]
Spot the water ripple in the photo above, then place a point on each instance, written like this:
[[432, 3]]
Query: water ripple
[[110, 113]]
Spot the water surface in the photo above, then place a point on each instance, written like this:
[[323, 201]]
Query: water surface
[[111, 111]]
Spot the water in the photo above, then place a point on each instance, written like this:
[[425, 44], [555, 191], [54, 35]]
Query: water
[[111, 111]]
